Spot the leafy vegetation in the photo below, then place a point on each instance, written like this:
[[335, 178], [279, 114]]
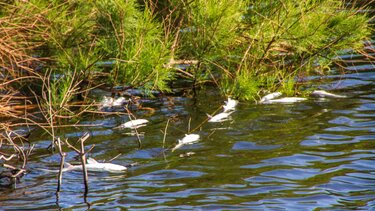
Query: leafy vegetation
[[244, 47]]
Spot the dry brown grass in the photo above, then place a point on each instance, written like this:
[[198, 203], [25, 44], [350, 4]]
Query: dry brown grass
[[18, 38]]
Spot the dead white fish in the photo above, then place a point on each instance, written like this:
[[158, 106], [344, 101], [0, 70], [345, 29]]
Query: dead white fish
[[270, 97], [221, 117], [286, 100], [119, 102], [188, 154], [323, 94], [93, 165], [133, 124], [188, 139], [134, 133], [106, 102], [109, 102], [230, 105]]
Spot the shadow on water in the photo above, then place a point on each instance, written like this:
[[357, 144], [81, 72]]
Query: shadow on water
[[317, 154]]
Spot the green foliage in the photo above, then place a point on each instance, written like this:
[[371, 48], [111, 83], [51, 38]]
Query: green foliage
[[246, 86], [209, 27], [282, 38], [60, 90], [135, 41], [288, 85], [248, 46]]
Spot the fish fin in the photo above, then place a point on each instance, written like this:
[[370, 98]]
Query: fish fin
[[91, 161], [179, 145], [68, 167], [209, 116], [229, 112], [122, 126]]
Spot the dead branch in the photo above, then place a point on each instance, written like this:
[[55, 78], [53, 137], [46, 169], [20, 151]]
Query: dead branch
[[82, 155]]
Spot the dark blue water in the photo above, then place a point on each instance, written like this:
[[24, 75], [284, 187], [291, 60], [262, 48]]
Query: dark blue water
[[313, 155]]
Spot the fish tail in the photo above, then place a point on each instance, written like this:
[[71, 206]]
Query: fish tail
[[68, 166]]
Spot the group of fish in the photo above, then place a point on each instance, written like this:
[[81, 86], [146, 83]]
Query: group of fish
[[229, 108], [110, 102], [273, 97]]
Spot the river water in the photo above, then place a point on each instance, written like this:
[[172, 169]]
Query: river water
[[313, 155]]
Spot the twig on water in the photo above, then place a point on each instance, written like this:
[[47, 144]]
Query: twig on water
[[62, 161], [114, 157], [204, 121], [189, 125], [82, 155], [165, 133], [135, 128]]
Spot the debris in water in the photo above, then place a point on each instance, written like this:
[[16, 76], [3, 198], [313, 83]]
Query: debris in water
[[230, 105], [93, 165], [133, 124], [270, 97], [188, 139], [323, 94]]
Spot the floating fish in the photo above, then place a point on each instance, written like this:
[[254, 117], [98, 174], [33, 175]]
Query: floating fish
[[322, 93], [106, 102], [133, 124], [188, 139], [109, 102], [221, 117], [93, 165], [119, 102], [230, 105], [270, 97], [286, 100], [188, 154]]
